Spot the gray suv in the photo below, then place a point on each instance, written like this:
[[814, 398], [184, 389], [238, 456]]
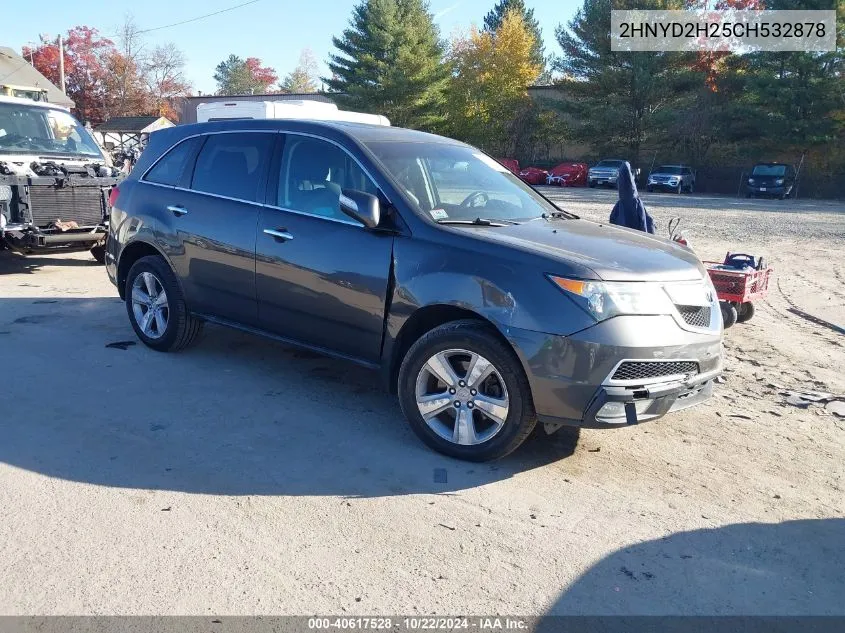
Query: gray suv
[[485, 307], [677, 178]]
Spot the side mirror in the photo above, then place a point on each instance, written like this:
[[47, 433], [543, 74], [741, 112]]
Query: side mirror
[[361, 206]]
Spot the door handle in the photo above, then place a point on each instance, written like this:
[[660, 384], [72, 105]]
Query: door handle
[[279, 234], [177, 210]]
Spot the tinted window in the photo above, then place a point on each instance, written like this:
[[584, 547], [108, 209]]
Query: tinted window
[[168, 170], [315, 173], [233, 165], [610, 163]]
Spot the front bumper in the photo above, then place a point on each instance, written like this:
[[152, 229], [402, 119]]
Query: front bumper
[[32, 239], [570, 376], [603, 179], [767, 191], [662, 185]]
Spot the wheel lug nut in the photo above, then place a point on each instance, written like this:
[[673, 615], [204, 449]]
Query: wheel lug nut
[[452, 391], [473, 391], [457, 404], [469, 405], [462, 384]]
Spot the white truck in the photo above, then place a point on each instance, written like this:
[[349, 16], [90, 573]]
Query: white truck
[[291, 109]]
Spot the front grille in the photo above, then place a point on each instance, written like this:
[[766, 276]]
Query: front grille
[[83, 205], [697, 316], [644, 370]]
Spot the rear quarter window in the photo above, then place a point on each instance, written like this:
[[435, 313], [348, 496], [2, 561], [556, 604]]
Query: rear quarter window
[[170, 167]]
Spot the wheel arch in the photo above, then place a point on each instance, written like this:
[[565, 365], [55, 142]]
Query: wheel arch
[[130, 254], [422, 321]]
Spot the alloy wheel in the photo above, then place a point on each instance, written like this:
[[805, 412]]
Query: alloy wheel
[[149, 305], [462, 397]]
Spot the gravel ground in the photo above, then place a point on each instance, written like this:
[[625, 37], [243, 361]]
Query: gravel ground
[[244, 477]]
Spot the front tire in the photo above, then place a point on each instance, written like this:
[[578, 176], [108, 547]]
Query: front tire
[[729, 314], [464, 393], [744, 312], [156, 306]]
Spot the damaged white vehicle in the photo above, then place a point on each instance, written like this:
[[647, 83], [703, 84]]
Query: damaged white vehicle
[[55, 181]]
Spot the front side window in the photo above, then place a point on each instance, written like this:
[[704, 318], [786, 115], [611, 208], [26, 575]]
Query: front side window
[[32, 129], [233, 165], [169, 168], [455, 182], [314, 173]]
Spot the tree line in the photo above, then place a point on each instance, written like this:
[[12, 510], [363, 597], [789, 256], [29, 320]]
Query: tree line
[[392, 60]]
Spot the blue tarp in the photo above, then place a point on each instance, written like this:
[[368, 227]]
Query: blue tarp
[[629, 210]]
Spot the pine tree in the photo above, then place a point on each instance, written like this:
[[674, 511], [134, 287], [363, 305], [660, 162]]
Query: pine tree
[[493, 20], [390, 62]]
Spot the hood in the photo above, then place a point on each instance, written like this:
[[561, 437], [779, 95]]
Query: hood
[[611, 253]]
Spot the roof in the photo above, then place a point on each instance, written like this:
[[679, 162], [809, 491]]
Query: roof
[[361, 132], [16, 70], [134, 124], [30, 102]]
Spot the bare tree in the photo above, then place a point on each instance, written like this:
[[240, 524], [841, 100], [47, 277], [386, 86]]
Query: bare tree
[[303, 79], [165, 78]]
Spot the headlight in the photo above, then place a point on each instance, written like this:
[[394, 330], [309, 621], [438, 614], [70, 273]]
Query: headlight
[[673, 181], [779, 181], [5, 193], [750, 181], [603, 300]]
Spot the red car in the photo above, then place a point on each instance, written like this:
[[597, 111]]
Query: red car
[[569, 175], [511, 163], [534, 175]]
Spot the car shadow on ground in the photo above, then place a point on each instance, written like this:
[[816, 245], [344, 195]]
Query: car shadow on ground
[[236, 414], [792, 568]]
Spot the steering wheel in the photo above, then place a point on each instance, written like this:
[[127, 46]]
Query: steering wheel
[[475, 195]]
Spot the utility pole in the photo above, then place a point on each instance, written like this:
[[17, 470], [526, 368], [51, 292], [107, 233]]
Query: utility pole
[[61, 64]]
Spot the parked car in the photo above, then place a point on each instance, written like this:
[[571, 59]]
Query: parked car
[[771, 179], [568, 175], [485, 307], [605, 172], [511, 163], [533, 175], [677, 178], [55, 181]]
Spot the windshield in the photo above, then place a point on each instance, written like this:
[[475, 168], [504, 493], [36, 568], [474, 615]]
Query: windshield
[[610, 163], [31, 129], [667, 169], [451, 182], [769, 170]]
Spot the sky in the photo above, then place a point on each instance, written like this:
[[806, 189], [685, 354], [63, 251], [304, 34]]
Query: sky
[[275, 31]]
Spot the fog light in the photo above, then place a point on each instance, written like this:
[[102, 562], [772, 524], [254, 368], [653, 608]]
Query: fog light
[[615, 411]]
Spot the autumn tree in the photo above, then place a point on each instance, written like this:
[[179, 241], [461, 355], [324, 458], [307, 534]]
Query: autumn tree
[[87, 70], [487, 92], [127, 88], [390, 61], [303, 79], [493, 20], [235, 75]]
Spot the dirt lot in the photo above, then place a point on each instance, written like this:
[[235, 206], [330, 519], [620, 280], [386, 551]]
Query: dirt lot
[[245, 477]]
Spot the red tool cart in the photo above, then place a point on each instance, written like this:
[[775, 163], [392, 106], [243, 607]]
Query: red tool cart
[[739, 280]]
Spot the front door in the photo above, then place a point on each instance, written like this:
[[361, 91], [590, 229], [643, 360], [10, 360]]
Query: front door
[[321, 277]]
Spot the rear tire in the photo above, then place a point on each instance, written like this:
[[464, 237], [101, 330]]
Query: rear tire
[[416, 382], [171, 327], [745, 312], [729, 314]]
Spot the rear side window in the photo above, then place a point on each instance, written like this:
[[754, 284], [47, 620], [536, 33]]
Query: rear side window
[[169, 168], [233, 165]]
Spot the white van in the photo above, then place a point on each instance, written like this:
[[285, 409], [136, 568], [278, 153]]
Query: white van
[[293, 109]]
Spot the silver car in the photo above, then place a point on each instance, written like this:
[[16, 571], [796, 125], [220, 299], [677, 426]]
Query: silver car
[[605, 172], [677, 178]]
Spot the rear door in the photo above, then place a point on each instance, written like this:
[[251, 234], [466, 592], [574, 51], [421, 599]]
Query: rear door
[[321, 276], [210, 224]]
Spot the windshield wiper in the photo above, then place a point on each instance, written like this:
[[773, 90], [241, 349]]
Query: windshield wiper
[[479, 222], [557, 215]]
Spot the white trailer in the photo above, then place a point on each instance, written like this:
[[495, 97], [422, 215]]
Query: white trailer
[[293, 109]]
